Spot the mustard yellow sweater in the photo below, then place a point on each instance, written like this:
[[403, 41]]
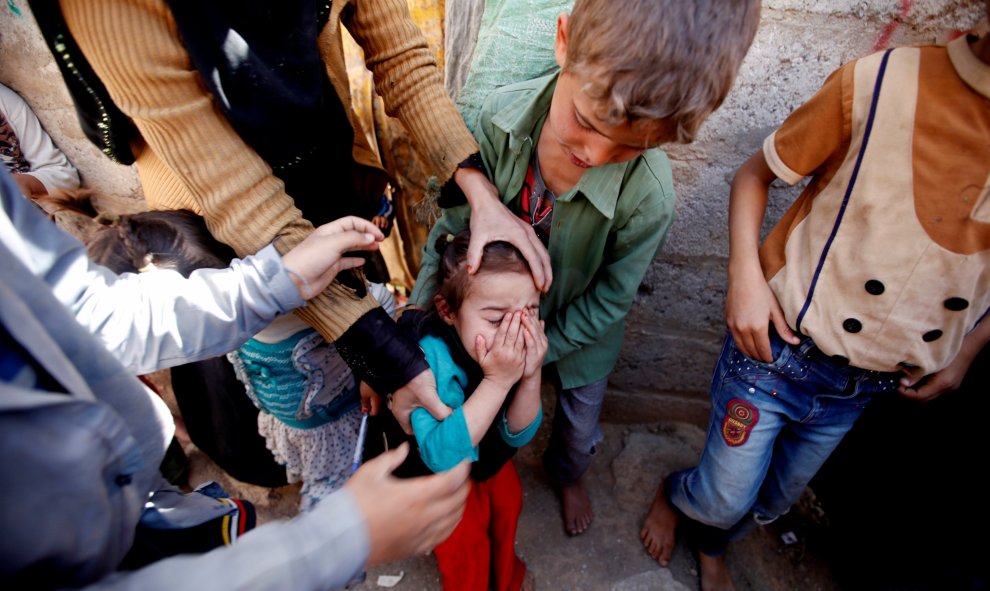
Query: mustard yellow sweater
[[190, 156]]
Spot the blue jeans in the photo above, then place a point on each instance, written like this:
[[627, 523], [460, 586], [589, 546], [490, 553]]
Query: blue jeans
[[772, 427], [575, 432]]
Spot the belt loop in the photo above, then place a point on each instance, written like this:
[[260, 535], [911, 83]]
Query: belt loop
[[806, 346]]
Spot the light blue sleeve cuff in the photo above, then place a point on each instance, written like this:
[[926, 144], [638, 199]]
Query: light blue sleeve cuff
[[523, 437]]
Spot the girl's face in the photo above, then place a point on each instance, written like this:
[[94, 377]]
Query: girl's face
[[490, 297]]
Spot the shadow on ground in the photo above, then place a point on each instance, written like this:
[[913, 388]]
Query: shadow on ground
[[609, 556]]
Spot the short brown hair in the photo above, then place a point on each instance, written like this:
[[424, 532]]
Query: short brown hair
[[453, 281], [657, 60]]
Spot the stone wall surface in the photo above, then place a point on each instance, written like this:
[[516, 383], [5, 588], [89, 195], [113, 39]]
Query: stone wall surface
[[27, 66], [676, 325]]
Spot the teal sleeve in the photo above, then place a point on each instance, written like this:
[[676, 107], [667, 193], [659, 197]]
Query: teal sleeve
[[607, 300], [443, 444], [523, 437]]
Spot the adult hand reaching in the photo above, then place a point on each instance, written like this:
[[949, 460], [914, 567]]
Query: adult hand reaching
[[492, 221], [315, 261], [417, 513]]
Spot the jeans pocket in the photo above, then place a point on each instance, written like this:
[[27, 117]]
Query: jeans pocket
[[740, 375]]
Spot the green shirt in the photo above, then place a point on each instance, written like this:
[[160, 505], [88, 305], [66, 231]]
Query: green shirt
[[606, 231]]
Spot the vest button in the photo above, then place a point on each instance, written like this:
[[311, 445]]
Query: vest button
[[874, 287], [955, 304]]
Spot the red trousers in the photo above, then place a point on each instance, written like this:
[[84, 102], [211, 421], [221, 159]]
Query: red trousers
[[483, 545]]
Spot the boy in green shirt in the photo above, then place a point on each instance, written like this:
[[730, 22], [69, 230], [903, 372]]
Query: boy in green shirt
[[575, 155]]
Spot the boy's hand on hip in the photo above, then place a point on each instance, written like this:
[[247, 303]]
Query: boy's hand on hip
[[933, 385], [951, 376], [750, 308], [418, 514]]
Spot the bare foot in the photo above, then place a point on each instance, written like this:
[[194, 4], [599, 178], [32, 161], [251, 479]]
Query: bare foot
[[658, 529], [714, 573], [576, 506], [529, 581]]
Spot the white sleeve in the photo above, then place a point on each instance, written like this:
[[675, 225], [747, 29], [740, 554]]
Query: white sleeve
[[149, 321], [48, 164]]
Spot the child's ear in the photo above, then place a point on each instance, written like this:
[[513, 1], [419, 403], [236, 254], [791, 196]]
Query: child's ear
[[560, 45], [443, 308]]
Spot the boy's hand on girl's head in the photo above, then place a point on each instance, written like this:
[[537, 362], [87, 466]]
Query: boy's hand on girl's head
[[750, 308], [419, 512], [315, 261], [536, 344], [504, 359], [491, 221]]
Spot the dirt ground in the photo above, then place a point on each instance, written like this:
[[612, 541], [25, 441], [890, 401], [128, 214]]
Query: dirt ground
[[609, 556]]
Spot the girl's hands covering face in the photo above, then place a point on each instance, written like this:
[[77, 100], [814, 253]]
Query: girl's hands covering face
[[504, 359]]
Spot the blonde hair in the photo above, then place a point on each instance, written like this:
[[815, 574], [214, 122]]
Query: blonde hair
[[651, 60]]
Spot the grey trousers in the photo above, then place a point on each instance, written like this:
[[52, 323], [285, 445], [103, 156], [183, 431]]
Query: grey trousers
[[575, 433]]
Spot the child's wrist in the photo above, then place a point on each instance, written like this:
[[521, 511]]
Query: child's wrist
[[528, 380], [503, 382]]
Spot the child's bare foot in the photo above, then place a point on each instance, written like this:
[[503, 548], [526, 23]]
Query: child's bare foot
[[658, 529], [529, 581], [714, 573], [576, 505]]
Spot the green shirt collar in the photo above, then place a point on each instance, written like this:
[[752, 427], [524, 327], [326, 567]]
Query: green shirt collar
[[523, 120]]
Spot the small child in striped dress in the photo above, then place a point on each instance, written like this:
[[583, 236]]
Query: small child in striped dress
[[309, 398]]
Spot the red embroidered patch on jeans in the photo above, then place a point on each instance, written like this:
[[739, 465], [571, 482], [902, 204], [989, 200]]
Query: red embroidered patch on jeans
[[740, 418]]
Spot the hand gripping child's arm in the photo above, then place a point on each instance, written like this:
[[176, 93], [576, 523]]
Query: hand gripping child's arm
[[445, 443], [750, 305]]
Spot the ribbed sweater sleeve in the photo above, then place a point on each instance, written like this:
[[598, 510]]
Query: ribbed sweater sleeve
[[196, 158], [410, 83]]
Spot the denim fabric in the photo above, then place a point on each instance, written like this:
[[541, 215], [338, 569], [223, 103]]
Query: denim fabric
[[575, 431], [790, 414]]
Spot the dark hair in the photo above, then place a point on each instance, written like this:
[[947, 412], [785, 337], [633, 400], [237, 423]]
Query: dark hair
[[453, 281], [178, 240]]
